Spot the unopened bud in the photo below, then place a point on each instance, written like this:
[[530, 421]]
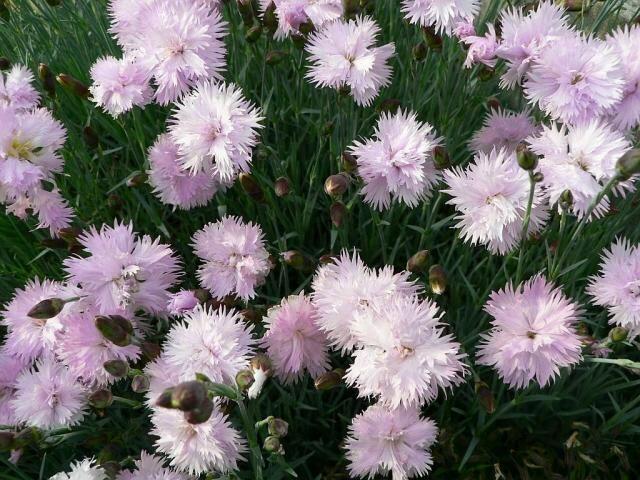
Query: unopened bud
[[73, 85], [349, 162], [150, 350], [327, 259], [526, 158], [618, 334], [538, 177], [336, 185], [485, 397], [269, 19], [101, 399], [136, 179], [274, 57], [188, 395], [48, 79], [115, 328], [26, 436], [90, 137], [5, 64], [418, 262], [251, 187], [420, 51], [282, 187], [297, 260], [299, 41], [388, 105], [277, 427], [201, 413], [251, 315], [493, 103], [116, 368], [164, 399], [7, 441], [70, 234], [432, 38], [329, 380], [628, 164], [306, 27], [437, 279], [244, 380], [140, 383], [337, 212], [46, 309], [351, 8], [566, 199], [245, 7], [253, 34], [272, 445], [575, 5], [441, 157]]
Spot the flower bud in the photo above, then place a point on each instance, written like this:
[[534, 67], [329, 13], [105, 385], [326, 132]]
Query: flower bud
[[566, 199], [26, 436], [5, 64], [306, 27], [419, 51], [269, 19], [251, 187], [46, 309], [388, 105], [140, 383], [418, 262], [244, 380], [618, 334], [253, 34], [70, 234], [200, 414], [90, 137], [329, 380], [115, 328], [277, 427], [485, 396], [282, 187], [327, 259], [48, 79], [164, 399], [336, 185], [299, 41], [351, 8], [73, 85], [538, 177], [272, 445], [349, 162], [188, 395], [493, 103], [297, 260], [628, 164], [261, 369], [116, 368], [275, 56], [101, 398], [136, 179], [337, 212], [150, 350], [251, 315], [245, 7], [441, 158], [437, 279], [526, 158], [575, 5], [6, 441], [433, 39]]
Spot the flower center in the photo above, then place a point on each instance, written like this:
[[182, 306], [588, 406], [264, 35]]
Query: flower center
[[531, 334], [20, 149], [576, 78], [127, 284], [633, 288]]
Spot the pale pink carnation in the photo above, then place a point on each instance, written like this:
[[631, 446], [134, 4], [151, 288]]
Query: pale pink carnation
[[617, 286], [482, 49], [390, 442], [397, 163], [212, 445], [293, 340], [343, 54], [151, 467], [443, 15], [123, 270], [16, 89], [532, 334], [292, 14], [580, 159], [525, 37], [48, 396], [215, 129], [119, 85], [625, 41], [10, 367], [491, 197], [346, 287], [402, 355], [182, 302], [503, 130], [52, 209], [214, 342], [84, 470], [576, 79], [235, 258], [126, 20], [464, 29], [162, 375]]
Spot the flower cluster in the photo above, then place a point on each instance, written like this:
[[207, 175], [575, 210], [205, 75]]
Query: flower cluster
[[294, 14]]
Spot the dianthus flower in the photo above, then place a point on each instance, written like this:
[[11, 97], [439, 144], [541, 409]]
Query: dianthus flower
[[84, 470], [151, 467], [503, 130], [625, 41], [16, 89], [292, 14], [443, 15], [11, 367]]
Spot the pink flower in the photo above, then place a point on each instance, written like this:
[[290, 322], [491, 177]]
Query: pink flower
[[443, 15], [215, 129], [503, 130], [150, 467], [52, 209], [293, 341], [482, 49], [171, 183], [402, 355], [214, 342], [491, 197], [617, 286], [343, 54], [182, 302], [16, 89], [532, 333], [162, 375], [124, 271], [10, 368], [464, 29], [119, 85], [345, 288], [396, 442], [84, 470], [48, 396], [292, 14], [578, 79], [626, 114], [398, 161], [235, 259]]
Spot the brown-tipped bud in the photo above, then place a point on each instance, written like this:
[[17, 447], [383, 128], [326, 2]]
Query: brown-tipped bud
[[306, 28], [48, 79], [140, 383], [73, 85], [46, 309], [566, 199], [526, 158], [327, 259], [269, 19], [90, 137], [297, 261], [116, 368], [575, 5], [100, 399], [277, 427], [164, 399], [419, 51], [251, 315], [188, 395], [26, 436], [275, 56], [432, 38], [299, 41], [137, 179], [244, 380], [253, 34], [485, 396], [388, 105], [272, 445], [329, 380], [441, 157], [418, 262], [245, 7], [337, 212], [200, 414], [251, 187], [538, 177], [5, 64], [349, 162], [261, 362], [150, 350], [351, 8], [618, 334], [437, 279], [70, 234], [7, 441], [493, 103], [628, 164], [282, 187], [115, 328], [336, 185], [111, 468]]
